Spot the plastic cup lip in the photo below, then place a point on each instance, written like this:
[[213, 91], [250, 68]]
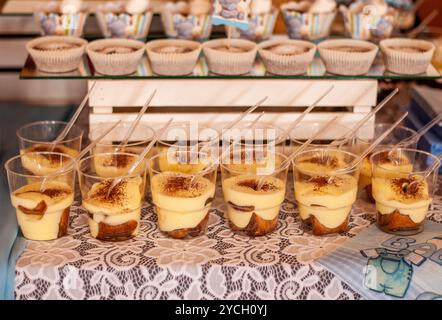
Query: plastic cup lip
[[314, 123], [207, 155], [407, 150], [243, 125], [406, 141], [277, 170], [185, 126], [97, 177], [103, 143], [20, 135], [340, 171], [15, 158]]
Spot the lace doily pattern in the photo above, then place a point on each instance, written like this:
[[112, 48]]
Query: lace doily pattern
[[219, 265]]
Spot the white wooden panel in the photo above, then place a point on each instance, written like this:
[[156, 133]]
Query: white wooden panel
[[233, 92]]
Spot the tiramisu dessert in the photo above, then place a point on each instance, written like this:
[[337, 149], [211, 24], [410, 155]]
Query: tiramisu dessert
[[182, 205], [325, 190], [407, 56], [287, 57], [113, 164], [43, 215], [114, 215], [173, 57], [57, 53], [115, 56]]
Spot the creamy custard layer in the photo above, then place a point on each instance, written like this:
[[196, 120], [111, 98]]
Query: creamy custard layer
[[330, 202], [392, 194], [178, 203], [244, 199], [44, 224]]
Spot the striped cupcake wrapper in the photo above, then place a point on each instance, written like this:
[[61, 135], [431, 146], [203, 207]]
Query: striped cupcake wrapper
[[64, 24], [312, 26]]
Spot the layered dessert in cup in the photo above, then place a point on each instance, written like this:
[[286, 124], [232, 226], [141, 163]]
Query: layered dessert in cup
[[187, 20], [113, 213], [326, 185], [402, 189], [42, 202], [183, 200], [125, 19], [61, 18], [34, 139], [309, 20], [185, 137], [363, 139], [254, 186]]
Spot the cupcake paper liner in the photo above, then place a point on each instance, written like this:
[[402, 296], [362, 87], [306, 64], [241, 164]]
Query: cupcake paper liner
[[119, 63], [260, 27], [173, 64], [124, 25], [309, 26], [230, 63], [57, 61], [401, 62], [347, 63], [188, 27], [286, 64], [56, 24]]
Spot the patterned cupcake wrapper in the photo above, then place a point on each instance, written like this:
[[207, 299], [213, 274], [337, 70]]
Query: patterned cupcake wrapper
[[229, 63], [364, 27], [260, 27], [347, 63], [406, 62], [115, 64], [57, 61], [187, 27], [286, 64], [124, 25], [309, 26], [55, 24], [173, 64]]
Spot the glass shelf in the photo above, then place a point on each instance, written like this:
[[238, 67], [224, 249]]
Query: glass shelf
[[316, 70]]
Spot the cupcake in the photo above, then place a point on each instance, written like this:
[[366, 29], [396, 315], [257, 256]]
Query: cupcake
[[347, 57], [187, 20], [309, 20], [63, 18], [407, 56], [234, 60], [173, 57], [129, 19], [286, 57], [57, 53], [115, 57], [369, 19], [262, 21]]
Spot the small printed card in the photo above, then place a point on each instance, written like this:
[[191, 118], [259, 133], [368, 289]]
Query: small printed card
[[384, 266], [234, 13]]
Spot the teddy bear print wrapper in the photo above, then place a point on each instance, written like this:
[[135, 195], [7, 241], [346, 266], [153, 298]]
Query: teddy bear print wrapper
[[234, 13], [260, 27], [188, 27], [54, 22], [307, 25]]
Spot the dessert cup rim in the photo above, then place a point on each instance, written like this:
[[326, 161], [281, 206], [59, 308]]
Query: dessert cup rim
[[20, 135], [265, 44], [93, 45], [329, 44], [247, 44], [32, 43], [182, 124], [70, 167], [276, 171], [149, 164], [429, 46], [430, 155], [129, 144], [315, 145], [97, 177], [408, 140], [350, 167], [278, 139]]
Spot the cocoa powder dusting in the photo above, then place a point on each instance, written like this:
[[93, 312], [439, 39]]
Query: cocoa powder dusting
[[326, 160], [117, 160], [53, 158], [253, 184], [408, 187], [174, 184], [322, 181], [116, 195]]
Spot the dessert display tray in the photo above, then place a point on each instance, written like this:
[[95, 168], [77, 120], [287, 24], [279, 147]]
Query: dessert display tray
[[219, 265], [316, 70]]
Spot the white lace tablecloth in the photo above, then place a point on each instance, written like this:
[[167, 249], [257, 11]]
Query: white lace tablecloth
[[220, 265]]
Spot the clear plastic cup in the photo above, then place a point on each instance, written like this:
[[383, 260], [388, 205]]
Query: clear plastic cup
[[254, 186], [42, 202], [402, 194], [38, 137], [114, 215], [139, 139], [326, 184], [183, 200], [365, 137]]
